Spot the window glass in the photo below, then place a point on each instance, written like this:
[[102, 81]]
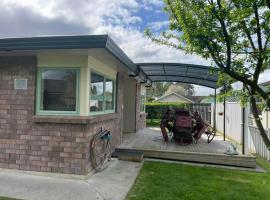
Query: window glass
[[102, 96], [97, 92], [58, 90], [142, 102], [109, 94]]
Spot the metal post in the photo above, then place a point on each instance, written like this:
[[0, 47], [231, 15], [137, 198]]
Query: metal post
[[243, 126], [215, 109], [224, 114]]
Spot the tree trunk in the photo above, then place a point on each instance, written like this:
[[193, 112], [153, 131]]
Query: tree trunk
[[255, 113]]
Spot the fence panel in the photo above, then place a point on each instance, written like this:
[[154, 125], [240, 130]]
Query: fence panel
[[233, 124], [233, 118], [258, 144]]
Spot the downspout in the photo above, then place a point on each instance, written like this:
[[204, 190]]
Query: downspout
[[224, 114], [243, 126], [215, 109]]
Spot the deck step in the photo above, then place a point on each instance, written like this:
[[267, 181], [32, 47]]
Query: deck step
[[128, 155], [209, 158]]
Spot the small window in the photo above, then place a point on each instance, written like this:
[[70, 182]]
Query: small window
[[58, 91], [143, 97], [109, 94], [97, 90], [102, 95]]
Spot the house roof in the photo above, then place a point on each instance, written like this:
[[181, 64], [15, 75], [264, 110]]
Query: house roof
[[144, 72], [71, 42], [178, 95]]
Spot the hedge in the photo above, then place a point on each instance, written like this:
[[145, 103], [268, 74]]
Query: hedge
[[156, 110]]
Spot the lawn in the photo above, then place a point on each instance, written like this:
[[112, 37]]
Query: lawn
[[7, 198], [152, 122], [168, 181]]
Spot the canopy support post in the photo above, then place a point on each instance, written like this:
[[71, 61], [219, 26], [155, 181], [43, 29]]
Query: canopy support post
[[224, 114], [243, 126], [215, 109]]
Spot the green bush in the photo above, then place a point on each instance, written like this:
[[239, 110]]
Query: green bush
[[156, 110]]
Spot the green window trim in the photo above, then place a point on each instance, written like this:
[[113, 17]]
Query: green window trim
[[104, 111], [39, 111]]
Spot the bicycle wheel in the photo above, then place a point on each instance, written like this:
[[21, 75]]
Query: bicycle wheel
[[99, 152], [211, 134]]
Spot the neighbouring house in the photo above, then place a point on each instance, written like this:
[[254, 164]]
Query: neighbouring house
[[56, 92], [174, 97]]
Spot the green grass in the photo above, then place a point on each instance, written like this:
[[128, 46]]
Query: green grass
[[7, 198], [263, 163], [152, 123], [167, 181]]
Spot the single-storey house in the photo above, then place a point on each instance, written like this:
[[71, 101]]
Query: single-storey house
[[56, 92], [174, 97]]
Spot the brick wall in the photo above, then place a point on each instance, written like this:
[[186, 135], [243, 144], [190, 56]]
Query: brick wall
[[44, 144]]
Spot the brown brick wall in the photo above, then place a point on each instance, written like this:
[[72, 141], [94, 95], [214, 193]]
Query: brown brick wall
[[42, 144]]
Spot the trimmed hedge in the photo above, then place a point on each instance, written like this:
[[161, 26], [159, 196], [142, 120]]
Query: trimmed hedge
[[156, 110]]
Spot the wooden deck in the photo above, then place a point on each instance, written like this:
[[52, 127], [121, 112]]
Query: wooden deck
[[150, 143]]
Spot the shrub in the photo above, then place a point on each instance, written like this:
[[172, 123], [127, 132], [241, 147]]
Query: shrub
[[156, 110]]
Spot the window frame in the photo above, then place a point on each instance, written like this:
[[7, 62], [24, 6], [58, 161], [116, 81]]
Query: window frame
[[142, 106], [38, 92], [104, 111]]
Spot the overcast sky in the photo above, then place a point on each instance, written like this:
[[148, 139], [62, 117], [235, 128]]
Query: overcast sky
[[124, 20]]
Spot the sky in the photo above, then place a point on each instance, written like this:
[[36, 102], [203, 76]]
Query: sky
[[124, 20]]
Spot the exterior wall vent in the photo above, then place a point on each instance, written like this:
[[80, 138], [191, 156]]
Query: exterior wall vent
[[20, 84]]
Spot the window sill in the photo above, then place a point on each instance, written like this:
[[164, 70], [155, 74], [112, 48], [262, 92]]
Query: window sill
[[102, 117], [143, 113], [73, 119], [57, 119]]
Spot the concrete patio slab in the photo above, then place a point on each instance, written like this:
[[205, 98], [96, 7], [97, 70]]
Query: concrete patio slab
[[111, 184]]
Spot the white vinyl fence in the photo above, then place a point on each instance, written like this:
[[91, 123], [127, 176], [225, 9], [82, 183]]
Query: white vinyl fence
[[233, 123], [257, 144], [232, 120]]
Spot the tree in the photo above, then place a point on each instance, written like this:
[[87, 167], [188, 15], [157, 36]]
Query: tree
[[178, 89], [184, 89], [235, 34], [157, 90], [188, 87]]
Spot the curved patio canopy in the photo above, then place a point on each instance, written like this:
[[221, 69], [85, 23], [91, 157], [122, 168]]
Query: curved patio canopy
[[180, 72]]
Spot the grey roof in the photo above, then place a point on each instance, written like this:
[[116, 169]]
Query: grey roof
[[144, 72], [181, 72], [70, 42]]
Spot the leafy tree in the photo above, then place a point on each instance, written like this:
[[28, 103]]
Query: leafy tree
[[188, 87], [235, 34], [157, 90], [178, 89], [184, 89]]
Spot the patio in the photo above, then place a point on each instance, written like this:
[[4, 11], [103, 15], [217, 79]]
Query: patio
[[149, 142]]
